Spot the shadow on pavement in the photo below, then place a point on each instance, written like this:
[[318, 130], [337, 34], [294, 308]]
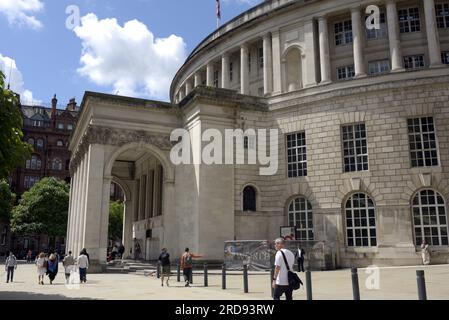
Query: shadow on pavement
[[8, 295]]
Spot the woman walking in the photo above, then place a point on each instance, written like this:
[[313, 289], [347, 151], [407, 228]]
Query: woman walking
[[164, 259], [52, 269], [41, 264]]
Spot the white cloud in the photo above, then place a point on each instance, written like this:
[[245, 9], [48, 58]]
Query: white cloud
[[128, 58], [21, 12], [8, 67]]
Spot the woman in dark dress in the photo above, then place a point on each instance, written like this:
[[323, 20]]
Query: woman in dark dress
[[52, 269]]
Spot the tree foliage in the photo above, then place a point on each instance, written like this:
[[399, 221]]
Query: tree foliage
[[116, 220], [43, 209], [13, 151], [7, 199]]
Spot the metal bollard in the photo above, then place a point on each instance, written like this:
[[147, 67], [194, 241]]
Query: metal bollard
[[355, 284], [422, 295], [271, 282], [309, 284], [223, 276], [206, 283], [245, 278], [191, 276], [158, 270], [178, 272]]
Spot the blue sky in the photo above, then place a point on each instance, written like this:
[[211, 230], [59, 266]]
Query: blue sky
[[132, 47]]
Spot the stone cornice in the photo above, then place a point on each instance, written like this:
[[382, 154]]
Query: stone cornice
[[116, 137]]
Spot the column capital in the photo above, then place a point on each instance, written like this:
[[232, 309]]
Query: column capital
[[356, 9], [244, 46], [225, 55], [322, 18]]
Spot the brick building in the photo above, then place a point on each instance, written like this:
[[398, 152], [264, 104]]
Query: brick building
[[48, 131]]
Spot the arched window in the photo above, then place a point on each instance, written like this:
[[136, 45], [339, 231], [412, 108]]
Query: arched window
[[56, 164], [34, 163], [249, 199], [360, 221], [31, 141], [300, 216], [60, 143], [40, 143], [429, 218]]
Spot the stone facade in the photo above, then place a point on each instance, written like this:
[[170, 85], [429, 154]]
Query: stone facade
[[281, 65]]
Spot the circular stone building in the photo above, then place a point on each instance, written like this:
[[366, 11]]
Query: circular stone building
[[357, 118]]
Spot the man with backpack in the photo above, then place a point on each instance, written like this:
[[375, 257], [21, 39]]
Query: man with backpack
[[164, 259], [284, 261], [187, 265], [10, 266]]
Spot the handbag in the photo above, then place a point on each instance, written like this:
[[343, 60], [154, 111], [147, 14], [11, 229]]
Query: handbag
[[293, 280]]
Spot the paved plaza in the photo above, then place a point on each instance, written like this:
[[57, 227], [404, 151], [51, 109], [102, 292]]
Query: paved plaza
[[394, 283]]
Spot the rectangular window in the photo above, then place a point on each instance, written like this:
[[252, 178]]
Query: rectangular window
[[355, 148], [216, 78], [381, 33], [30, 181], [61, 126], [423, 145], [442, 13], [346, 72], [296, 155], [260, 58], [414, 62], [378, 67], [69, 127], [445, 57], [409, 20], [231, 72], [343, 32]]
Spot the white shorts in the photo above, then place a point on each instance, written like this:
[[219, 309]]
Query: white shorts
[[41, 271]]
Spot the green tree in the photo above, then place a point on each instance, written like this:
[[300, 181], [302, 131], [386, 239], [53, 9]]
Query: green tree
[[116, 220], [13, 151], [6, 201], [43, 209]]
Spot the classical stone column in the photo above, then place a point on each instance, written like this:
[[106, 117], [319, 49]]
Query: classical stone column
[[267, 65], [73, 203], [310, 45], [181, 93], [142, 194], [433, 39], [156, 191], [276, 48], [210, 74], [225, 71], [149, 195], [78, 213], [357, 33], [188, 87], [127, 227], [244, 69], [325, 62], [198, 80], [393, 36], [85, 176]]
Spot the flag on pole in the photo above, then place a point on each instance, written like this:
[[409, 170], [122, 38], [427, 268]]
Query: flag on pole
[[218, 10], [218, 13]]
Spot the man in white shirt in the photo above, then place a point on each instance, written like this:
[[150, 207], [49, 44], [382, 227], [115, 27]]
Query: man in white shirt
[[280, 280], [83, 265]]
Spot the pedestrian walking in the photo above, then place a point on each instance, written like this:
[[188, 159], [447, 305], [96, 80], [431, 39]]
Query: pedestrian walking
[[300, 255], [164, 259], [187, 265], [29, 256], [425, 253], [69, 266], [83, 265], [280, 280], [41, 264], [84, 251], [52, 269], [10, 266], [121, 250]]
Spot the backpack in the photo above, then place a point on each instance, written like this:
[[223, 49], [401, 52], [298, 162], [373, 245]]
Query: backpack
[[293, 280], [188, 260]]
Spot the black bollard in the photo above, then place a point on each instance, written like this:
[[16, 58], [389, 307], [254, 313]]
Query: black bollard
[[309, 284], [271, 282], [245, 278], [206, 283], [178, 272], [223, 276], [422, 295], [158, 270], [191, 276], [355, 284]]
